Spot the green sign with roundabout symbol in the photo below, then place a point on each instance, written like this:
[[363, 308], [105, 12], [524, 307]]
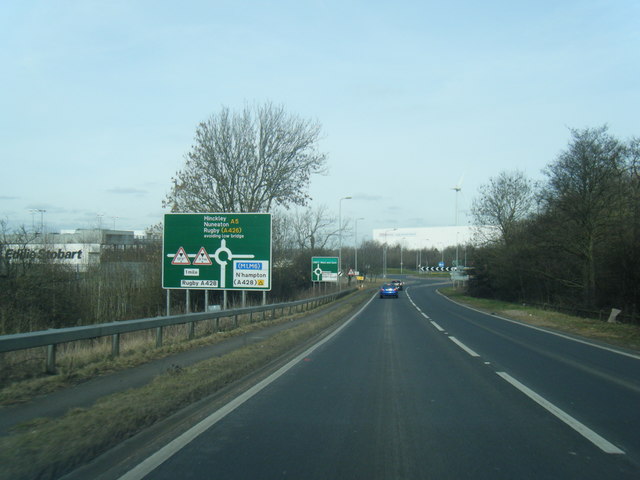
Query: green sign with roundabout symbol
[[217, 251], [324, 269]]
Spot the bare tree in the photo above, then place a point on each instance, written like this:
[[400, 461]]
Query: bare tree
[[584, 195], [504, 202], [313, 228], [250, 161]]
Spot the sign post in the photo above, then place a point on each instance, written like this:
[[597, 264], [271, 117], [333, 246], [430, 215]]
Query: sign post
[[217, 251]]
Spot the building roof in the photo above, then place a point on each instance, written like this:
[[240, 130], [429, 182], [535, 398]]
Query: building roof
[[431, 237]]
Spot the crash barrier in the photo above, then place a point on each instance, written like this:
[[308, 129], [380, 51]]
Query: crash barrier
[[54, 337]]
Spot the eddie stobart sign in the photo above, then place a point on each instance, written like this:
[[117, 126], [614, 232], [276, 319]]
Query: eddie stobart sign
[[77, 255], [28, 253], [217, 251]]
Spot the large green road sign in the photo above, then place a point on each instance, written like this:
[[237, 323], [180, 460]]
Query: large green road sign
[[224, 251], [324, 269]]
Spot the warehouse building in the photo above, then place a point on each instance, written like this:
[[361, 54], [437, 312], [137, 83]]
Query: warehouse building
[[79, 248], [432, 237]]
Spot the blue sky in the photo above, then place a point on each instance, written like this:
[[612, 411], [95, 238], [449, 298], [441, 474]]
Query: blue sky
[[100, 99]]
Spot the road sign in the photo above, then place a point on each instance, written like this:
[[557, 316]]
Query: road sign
[[324, 269], [217, 251], [436, 269]]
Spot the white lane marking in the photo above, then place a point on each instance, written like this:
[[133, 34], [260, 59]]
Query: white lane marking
[[173, 447], [586, 432], [544, 330], [438, 327], [463, 347], [417, 307]]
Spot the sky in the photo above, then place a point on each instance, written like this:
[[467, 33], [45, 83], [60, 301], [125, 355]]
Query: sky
[[100, 100]]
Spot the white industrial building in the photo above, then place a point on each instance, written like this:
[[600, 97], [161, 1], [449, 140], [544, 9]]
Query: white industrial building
[[77, 248], [430, 237]]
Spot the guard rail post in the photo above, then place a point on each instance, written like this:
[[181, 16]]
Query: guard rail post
[[115, 345], [51, 358]]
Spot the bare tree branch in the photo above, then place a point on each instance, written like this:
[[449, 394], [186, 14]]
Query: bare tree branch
[[250, 161]]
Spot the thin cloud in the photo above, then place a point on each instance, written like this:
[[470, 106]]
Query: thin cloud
[[127, 191]]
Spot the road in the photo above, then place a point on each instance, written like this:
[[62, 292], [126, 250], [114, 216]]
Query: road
[[419, 387]]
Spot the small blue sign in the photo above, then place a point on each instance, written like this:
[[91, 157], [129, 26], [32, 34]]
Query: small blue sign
[[248, 266], [441, 264]]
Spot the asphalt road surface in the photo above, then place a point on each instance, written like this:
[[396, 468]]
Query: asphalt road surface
[[421, 388]]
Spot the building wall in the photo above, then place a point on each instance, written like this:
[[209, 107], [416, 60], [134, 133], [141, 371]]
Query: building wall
[[79, 248]]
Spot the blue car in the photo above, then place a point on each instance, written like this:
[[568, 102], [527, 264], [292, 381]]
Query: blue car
[[388, 290]]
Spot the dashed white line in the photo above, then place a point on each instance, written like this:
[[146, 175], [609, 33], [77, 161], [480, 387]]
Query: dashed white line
[[586, 432], [438, 327], [599, 441], [463, 347]]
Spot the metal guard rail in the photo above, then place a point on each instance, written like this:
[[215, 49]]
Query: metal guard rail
[[52, 338]]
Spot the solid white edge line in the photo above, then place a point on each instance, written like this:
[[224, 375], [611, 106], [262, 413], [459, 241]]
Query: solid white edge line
[[155, 460], [463, 347], [544, 330], [586, 432]]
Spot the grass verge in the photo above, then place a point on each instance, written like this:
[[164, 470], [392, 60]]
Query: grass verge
[[48, 448], [83, 360], [619, 334]]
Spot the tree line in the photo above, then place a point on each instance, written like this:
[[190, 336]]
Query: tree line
[[38, 294], [571, 240]]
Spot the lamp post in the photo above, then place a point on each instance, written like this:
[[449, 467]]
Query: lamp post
[[457, 189], [419, 256], [33, 211], [340, 238], [42, 212], [355, 241], [384, 252]]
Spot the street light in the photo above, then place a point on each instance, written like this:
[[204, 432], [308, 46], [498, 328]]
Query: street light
[[42, 212], [457, 189], [340, 237], [384, 252], [419, 256], [33, 211], [355, 241]]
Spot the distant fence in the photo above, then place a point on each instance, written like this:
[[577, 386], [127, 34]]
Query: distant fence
[[54, 337]]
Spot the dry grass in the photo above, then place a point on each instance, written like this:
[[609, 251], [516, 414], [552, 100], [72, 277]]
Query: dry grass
[[22, 372], [619, 334], [47, 448]]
